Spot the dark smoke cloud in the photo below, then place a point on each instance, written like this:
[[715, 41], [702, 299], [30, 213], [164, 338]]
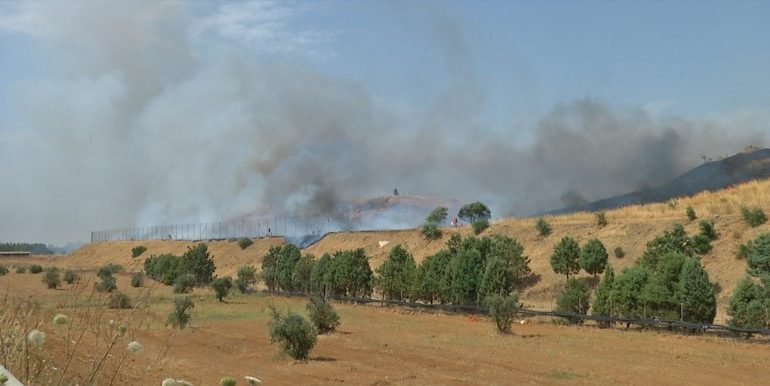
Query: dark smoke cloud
[[142, 123]]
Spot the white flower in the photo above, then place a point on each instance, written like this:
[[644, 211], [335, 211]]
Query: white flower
[[252, 380], [60, 319], [36, 338], [135, 347]]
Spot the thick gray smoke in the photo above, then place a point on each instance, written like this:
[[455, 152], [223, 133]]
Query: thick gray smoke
[[145, 114]]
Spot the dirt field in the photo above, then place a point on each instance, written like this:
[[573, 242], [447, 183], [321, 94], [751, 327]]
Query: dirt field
[[377, 346]]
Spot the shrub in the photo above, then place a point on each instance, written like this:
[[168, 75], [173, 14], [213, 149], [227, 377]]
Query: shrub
[[221, 286], [184, 283], [323, 315], [574, 298], [601, 219], [473, 212], [701, 244], [180, 316], [565, 257], [108, 283], [21, 269], [502, 309], [227, 381], [543, 227], [138, 250], [295, 333], [479, 225], [3, 379], [430, 231], [593, 257], [163, 268], [245, 242], [112, 268], [70, 277], [247, 276], [690, 213], [707, 229], [119, 301], [3, 270], [437, 216], [52, 278], [397, 273], [35, 268], [619, 252], [743, 250], [137, 280], [753, 216]]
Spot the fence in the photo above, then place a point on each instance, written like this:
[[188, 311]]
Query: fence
[[476, 309], [279, 226]]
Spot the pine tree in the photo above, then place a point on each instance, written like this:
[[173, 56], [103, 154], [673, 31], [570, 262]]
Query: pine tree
[[574, 298], [565, 257], [593, 257], [397, 273], [497, 279], [758, 257], [748, 305], [696, 293], [603, 304]]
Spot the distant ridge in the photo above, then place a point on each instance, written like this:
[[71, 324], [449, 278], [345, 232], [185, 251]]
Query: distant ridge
[[749, 165]]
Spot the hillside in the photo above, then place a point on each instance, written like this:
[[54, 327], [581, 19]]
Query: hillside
[[629, 227]]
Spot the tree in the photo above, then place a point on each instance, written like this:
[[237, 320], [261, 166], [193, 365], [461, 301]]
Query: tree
[[543, 228], [502, 309], [396, 274], [246, 277], [322, 314], [296, 334], [707, 229], [497, 278], [437, 216], [696, 293], [574, 298], [287, 259], [512, 252], [758, 257], [626, 292], [433, 280], [674, 241], [301, 273], [180, 316], [659, 295], [748, 305], [270, 268], [474, 211], [199, 262], [222, 286], [593, 257], [565, 257], [52, 278], [467, 266], [321, 275], [351, 274], [602, 304]]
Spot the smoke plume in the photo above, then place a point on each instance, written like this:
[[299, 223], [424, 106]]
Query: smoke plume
[[147, 113]]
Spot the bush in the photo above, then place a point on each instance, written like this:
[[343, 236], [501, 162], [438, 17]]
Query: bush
[[565, 257], [137, 251], [543, 227], [574, 298], [323, 315], [473, 212], [247, 276], [437, 216], [701, 244], [479, 225], [35, 268], [180, 316], [111, 268], [753, 216], [601, 219], [690, 213], [119, 301], [221, 286], [21, 269], [227, 381], [743, 251], [295, 333], [108, 282], [137, 280], [70, 277], [184, 284], [619, 252], [3, 270], [245, 242], [707, 229], [502, 309], [430, 231], [52, 278]]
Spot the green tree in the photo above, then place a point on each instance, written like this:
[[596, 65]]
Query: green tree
[[199, 262], [659, 294], [321, 276], [574, 298], [180, 315], [473, 212], [322, 314], [246, 277], [696, 293], [758, 257], [296, 334], [396, 274], [303, 269], [593, 257], [287, 259], [433, 278], [626, 292], [467, 266], [512, 253], [497, 278], [222, 286], [270, 268], [674, 241], [565, 257], [543, 228], [437, 216], [351, 274], [602, 304], [502, 309], [748, 305]]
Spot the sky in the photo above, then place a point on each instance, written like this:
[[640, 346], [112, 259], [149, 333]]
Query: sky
[[118, 114]]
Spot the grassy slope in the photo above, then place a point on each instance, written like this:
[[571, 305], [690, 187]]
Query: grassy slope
[[629, 227]]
